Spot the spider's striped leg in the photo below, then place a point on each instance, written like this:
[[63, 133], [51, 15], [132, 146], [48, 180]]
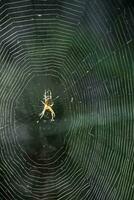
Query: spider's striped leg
[[45, 95], [50, 94], [52, 113], [42, 113], [42, 102]]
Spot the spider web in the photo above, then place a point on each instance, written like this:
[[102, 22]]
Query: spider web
[[83, 52]]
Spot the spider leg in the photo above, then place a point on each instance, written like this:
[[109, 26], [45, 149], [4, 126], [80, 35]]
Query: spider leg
[[42, 102], [50, 94], [42, 113], [52, 113]]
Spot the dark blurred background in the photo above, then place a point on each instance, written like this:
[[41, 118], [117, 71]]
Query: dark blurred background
[[83, 51]]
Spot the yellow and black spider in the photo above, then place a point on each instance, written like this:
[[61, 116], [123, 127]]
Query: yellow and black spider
[[48, 103]]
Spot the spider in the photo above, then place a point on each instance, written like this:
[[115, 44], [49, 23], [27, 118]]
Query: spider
[[48, 103]]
